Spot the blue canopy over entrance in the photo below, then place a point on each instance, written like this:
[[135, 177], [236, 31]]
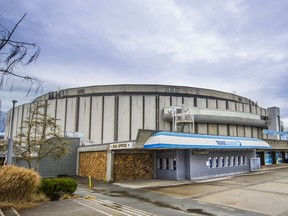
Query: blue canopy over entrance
[[164, 139]]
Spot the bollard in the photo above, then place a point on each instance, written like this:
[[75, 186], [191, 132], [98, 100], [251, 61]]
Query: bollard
[[90, 182]]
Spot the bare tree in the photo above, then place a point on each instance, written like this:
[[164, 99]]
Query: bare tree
[[14, 53], [39, 137]]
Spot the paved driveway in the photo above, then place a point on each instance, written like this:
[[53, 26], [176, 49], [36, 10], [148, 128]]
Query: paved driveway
[[264, 192]]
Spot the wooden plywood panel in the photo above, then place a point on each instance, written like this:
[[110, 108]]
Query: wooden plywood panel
[[124, 118], [150, 113], [109, 119], [137, 115], [133, 166], [84, 116], [96, 119], [93, 164], [71, 114]]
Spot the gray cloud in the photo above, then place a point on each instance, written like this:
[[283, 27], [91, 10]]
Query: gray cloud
[[234, 46]]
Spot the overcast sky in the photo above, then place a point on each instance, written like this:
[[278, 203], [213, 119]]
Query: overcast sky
[[232, 46]]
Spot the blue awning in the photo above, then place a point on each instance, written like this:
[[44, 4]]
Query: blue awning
[[169, 140]]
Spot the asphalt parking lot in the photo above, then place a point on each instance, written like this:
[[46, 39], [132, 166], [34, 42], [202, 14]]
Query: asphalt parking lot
[[258, 193], [264, 192]]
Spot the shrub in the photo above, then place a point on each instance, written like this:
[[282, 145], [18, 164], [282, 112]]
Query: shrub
[[50, 186], [17, 184]]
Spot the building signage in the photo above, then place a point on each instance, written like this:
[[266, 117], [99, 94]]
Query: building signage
[[275, 133], [200, 152], [115, 146], [228, 143]]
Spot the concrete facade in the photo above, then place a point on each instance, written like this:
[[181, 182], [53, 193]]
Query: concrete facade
[[106, 114], [103, 115]]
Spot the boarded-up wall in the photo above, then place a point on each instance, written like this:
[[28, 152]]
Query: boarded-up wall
[[133, 166], [93, 164]]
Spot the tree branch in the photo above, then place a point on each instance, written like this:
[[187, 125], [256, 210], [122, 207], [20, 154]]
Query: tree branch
[[11, 33], [15, 52]]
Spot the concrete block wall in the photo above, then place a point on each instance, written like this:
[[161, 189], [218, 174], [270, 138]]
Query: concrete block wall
[[64, 166], [162, 173], [199, 168]]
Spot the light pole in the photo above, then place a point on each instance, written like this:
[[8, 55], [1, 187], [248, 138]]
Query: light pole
[[10, 140]]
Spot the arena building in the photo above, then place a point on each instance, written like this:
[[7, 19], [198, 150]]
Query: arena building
[[162, 131]]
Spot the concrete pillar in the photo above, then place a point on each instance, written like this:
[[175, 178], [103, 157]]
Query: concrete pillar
[[274, 123], [110, 166]]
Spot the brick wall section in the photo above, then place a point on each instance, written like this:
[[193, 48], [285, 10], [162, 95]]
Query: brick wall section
[[133, 166], [93, 164]]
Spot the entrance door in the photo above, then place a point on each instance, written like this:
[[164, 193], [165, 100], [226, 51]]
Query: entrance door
[[262, 158]]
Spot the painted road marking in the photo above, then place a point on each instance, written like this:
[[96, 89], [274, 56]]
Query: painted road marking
[[10, 210], [126, 208], [1, 213], [112, 206], [15, 212], [92, 208]]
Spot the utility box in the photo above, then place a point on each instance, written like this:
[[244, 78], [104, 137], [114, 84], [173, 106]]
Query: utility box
[[255, 164]]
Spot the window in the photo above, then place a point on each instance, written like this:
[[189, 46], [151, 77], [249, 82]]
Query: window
[[244, 160], [231, 161], [159, 163], [171, 163], [210, 162], [214, 162], [220, 162], [226, 161], [174, 164], [236, 161], [240, 160], [167, 164]]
